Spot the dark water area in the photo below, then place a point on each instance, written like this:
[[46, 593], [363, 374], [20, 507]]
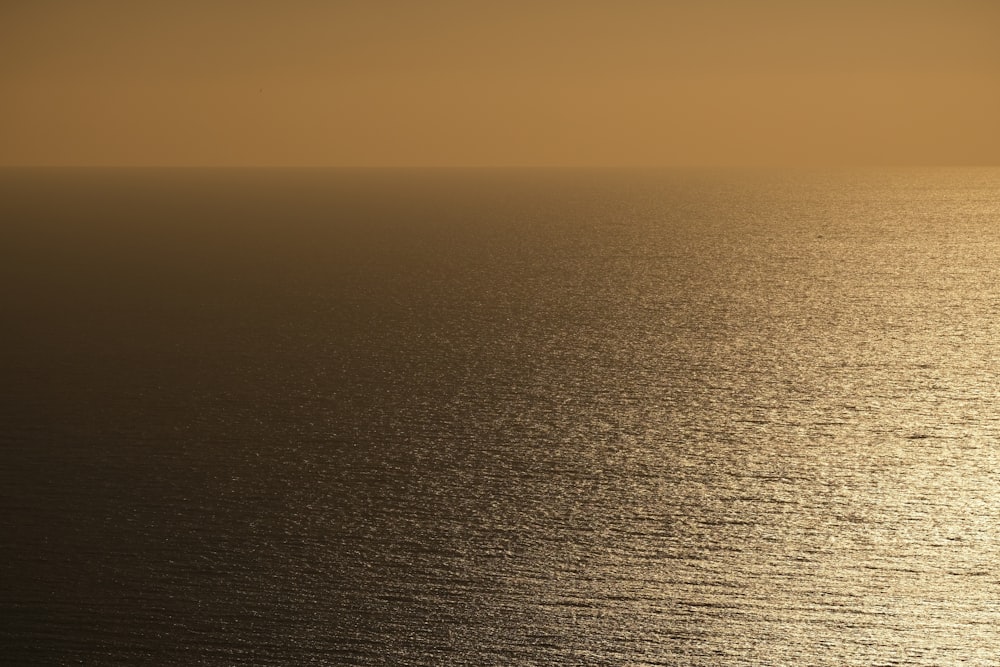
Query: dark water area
[[499, 417]]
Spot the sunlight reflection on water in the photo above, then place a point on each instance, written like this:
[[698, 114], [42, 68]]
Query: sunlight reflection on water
[[501, 418]]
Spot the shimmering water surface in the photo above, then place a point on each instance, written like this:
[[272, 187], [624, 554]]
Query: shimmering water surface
[[500, 417]]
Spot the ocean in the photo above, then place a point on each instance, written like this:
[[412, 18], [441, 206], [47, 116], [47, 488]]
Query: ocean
[[500, 417]]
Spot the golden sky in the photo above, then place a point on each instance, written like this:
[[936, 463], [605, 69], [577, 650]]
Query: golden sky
[[478, 83]]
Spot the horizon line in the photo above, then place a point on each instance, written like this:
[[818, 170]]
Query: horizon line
[[470, 167]]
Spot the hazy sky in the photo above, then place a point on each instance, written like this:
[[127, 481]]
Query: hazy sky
[[440, 82]]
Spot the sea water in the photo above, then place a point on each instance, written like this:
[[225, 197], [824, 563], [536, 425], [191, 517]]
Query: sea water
[[500, 417]]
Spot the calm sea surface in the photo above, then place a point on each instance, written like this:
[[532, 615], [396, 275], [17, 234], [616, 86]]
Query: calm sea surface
[[322, 417]]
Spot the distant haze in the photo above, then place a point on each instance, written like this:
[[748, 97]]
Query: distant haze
[[476, 83]]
